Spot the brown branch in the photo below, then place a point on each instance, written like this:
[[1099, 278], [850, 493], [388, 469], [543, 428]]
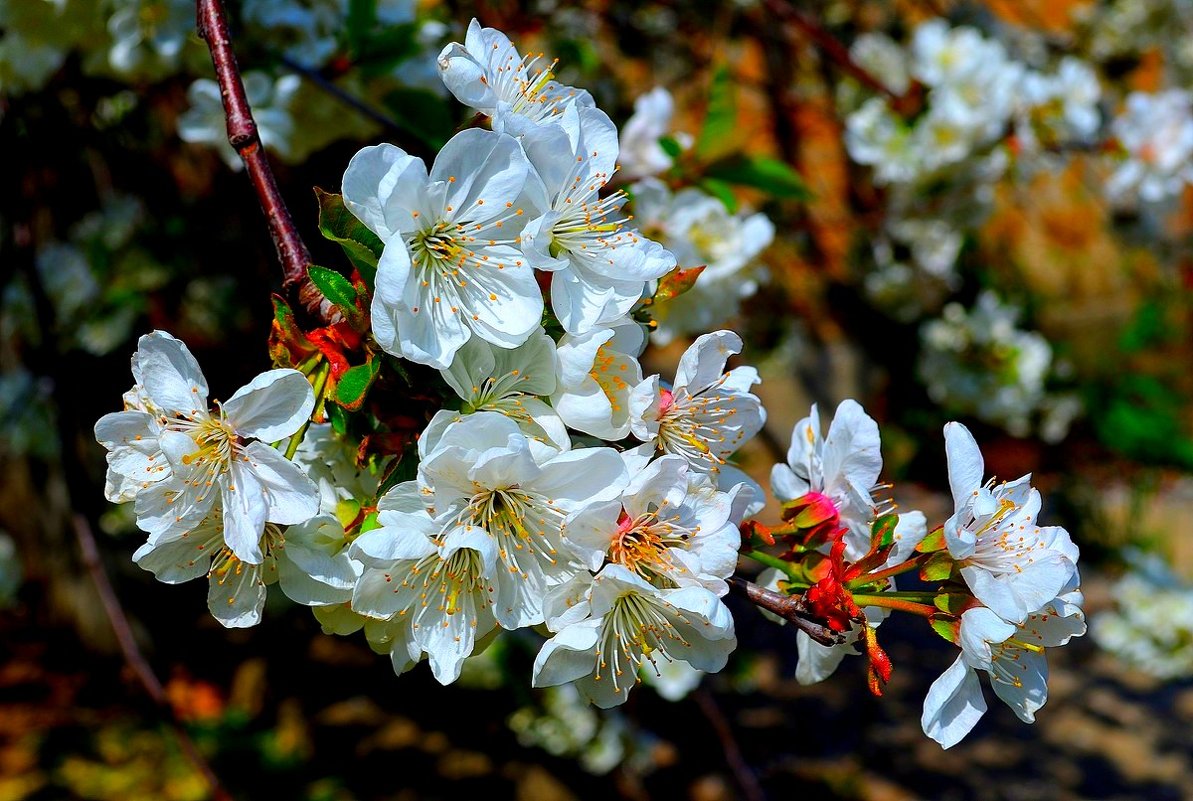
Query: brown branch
[[242, 135], [742, 772], [136, 660], [830, 46], [789, 607]]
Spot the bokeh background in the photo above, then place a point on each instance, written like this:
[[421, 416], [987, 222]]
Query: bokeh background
[[1052, 318]]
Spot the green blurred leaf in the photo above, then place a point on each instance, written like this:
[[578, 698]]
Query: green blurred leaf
[[720, 120], [383, 48], [362, 247], [671, 146], [722, 192], [770, 175]]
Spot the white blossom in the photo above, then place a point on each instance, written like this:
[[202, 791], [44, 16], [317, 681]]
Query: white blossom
[[1156, 131], [188, 458], [624, 625], [451, 268], [205, 121], [488, 74], [600, 265], [1011, 565], [597, 372], [708, 413], [1014, 658], [641, 153]]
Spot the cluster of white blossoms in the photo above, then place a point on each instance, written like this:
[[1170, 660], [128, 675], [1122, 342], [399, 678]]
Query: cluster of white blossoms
[[1151, 627], [553, 485], [979, 362], [1155, 132]]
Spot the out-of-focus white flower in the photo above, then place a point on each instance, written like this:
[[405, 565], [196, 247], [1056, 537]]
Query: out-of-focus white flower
[[567, 725], [708, 413], [641, 154], [977, 362], [1014, 658], [146, 31], [935, 245], [699, 230], [451, 268], [330, 462], [308, 28], [1156, 131], [672, 680], [881, 56], [1151, 627], [876, 136], [205, 123]]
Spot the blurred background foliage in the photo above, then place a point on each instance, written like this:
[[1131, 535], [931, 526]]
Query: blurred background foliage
[[123, 212]]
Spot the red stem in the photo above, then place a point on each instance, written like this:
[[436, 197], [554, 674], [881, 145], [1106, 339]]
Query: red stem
[[242, 135]]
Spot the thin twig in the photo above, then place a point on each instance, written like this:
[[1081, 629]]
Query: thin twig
[[830, 46], [742, 772], [788, 607], [136, 660], [352, 101], [242, 135]]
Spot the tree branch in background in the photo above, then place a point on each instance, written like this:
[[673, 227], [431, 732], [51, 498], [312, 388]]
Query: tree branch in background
[[746, 780], [789, 607], [830, 46], [242, 134], [136, 660]]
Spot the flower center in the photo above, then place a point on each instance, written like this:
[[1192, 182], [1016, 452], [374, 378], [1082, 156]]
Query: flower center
[[641, 544], [694, 427], [525, 525], [606, 371], [633, 631]]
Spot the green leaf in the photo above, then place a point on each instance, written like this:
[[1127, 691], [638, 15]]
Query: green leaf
[[770, 175], [671, 146], [720, 120], [385, 47], [353, 385], [336, 288], [360, 22], [946, 626], [362, 247], [933, 542], [882, 532], [953, 603], [338, 418], [722, 192], [938, 567]]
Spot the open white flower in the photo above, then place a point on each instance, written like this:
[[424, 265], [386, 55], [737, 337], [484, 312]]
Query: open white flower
[[451, 267], [641, 154], [1156, 130], [510, 382], [206, 455], [597, 371], [600, 264], [708, 413], [431, 581], [204, 122], [699, 230], [309, 561], [624, 625], [670, 526], [1014, 658], [1011, 565], [488, 74], [483, 475]]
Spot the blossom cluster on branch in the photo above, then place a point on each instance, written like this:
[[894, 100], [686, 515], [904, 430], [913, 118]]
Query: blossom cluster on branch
[[470, 444]]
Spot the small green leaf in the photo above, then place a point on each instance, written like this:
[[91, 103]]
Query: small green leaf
[[722, 192], [288, 345], [882, 533], [770, 175], [362, 247], [336, 288], [933, 542], [953, 603], [946, 626], [369, 523], [938, 567], [354, 383], [720, 120], [338, 418], [671, 146]]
